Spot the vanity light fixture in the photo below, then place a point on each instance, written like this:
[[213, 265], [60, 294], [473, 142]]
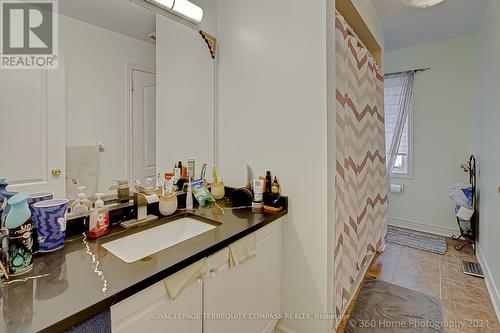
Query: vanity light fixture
[[182, 8], [422, 3]]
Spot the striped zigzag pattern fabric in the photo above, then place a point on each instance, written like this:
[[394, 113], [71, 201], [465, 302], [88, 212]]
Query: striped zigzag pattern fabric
[[360, 181]]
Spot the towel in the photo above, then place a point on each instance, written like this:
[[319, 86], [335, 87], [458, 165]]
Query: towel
[[242, 250], [176, 283], [82, 167]]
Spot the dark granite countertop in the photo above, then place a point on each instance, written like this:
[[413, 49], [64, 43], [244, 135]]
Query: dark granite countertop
[[84, 279]]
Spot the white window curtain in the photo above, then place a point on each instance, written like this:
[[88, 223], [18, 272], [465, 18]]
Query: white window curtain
[[398, 90]]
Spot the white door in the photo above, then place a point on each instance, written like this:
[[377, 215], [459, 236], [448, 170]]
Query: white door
[[32, 130], [152, 311], [143, 125], [253, 287]]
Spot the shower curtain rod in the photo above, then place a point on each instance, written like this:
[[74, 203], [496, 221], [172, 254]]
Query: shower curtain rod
[[409, 71]]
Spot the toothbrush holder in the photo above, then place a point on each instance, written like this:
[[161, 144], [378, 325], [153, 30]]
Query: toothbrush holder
[[218, 191], [168, 204]]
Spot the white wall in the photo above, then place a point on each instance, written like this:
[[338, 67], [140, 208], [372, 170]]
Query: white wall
[[273, 115], [445, 104], [185, 91], [96, 96], [487, 146]]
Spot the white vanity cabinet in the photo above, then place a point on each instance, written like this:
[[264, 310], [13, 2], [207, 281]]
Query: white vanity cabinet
[[152, 311], [251, 289]]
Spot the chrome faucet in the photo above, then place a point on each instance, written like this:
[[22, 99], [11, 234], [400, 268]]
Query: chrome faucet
[[141, 200]]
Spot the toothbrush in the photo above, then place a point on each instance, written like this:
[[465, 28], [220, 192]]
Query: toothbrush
[[215, 174]]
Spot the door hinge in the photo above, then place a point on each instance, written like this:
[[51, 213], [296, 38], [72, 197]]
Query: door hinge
[[132, 86]]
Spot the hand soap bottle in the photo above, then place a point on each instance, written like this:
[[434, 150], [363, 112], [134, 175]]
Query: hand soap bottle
[[81, 204], [99, 219]]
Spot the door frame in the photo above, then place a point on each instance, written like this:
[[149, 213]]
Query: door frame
[[130, 67]]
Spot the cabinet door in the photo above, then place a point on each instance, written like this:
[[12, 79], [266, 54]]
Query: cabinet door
[[152, 311], [247, 290]]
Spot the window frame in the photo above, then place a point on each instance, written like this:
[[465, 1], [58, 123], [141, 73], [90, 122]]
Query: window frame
[[409, 173]]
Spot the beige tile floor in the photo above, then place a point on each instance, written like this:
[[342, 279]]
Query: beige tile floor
[[464, 298]]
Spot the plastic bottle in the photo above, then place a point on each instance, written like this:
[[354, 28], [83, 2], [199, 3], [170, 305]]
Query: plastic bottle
[[82, 204], [20, 239], [189, 197], [99, 219]]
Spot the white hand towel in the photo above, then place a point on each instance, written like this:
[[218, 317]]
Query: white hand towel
[[242, 250], [177, 282]]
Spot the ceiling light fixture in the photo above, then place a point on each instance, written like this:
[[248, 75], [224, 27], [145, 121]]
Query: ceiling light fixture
[[182, 8], [422, 3]]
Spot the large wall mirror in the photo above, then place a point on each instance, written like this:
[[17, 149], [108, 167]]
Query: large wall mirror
[[133, 94]]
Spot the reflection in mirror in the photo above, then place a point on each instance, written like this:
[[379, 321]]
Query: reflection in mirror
[[98, 118], [110, 81]]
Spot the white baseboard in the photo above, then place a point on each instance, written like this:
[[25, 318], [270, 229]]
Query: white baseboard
[[424, 227], [490, 283]]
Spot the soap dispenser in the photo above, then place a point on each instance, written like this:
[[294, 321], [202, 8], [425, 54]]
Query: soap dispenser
[[82, 204], [99, 219]]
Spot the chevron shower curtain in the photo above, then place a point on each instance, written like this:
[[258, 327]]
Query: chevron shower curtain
[[360, 181]]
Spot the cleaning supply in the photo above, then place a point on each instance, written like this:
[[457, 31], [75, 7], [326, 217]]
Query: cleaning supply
[[201, 192], [99, 219], [189, 196], [20, 235], [82, 204]]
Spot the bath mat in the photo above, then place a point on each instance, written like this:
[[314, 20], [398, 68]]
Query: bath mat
[[416, 239], [385, 307]]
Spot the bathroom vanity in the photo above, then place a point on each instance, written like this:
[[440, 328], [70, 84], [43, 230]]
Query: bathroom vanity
[[83, 279]]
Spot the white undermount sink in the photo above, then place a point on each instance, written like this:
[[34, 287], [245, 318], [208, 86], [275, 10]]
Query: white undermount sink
[[142, 244]]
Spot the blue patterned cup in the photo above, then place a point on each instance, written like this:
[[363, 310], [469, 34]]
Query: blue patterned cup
[[33, 198], [50, 219]]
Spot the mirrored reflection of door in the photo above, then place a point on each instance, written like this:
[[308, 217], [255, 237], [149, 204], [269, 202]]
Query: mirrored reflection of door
[[143, 124], [32, 130]]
